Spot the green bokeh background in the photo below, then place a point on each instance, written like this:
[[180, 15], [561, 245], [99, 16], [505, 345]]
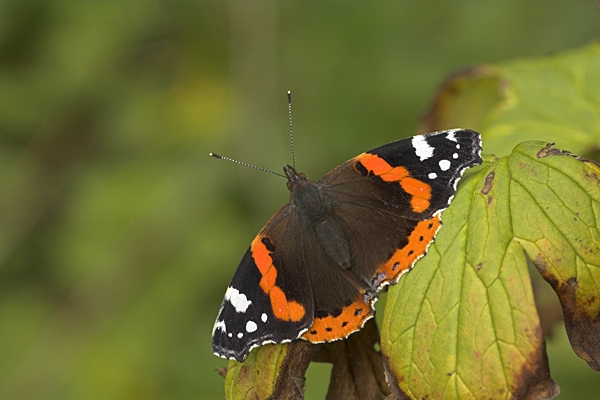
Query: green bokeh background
[[119, 234]]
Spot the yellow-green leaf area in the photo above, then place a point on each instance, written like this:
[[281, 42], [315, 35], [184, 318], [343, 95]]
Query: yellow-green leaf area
[[561, 236], [554, 99], [254, 378], [556, 200], [463, 323]]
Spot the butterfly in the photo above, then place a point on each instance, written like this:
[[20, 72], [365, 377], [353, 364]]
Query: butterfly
[[314, 270]]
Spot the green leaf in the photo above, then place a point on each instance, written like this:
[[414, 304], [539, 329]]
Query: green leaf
[[463, 323], [554, 99], [562, 238], [255, 378]]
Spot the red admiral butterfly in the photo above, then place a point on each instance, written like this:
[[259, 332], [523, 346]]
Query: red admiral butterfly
[[314, 270]]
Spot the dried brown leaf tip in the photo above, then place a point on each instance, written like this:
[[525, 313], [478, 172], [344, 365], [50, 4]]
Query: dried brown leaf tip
[[357, 371]]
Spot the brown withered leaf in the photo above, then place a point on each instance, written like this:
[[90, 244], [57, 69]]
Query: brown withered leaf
[[357, 372]]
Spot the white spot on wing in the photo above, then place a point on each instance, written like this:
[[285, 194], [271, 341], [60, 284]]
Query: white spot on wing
[[240, 335], [455, 156], [450, 136], [444, 165], [264, 317], [422, 148], [220, 325], [238, 300], [251, 326], [432, 175], [230, 334], [458, 146]]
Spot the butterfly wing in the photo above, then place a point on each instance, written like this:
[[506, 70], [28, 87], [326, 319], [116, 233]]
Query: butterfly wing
[[262, 303], [287, 287], [391, 197]]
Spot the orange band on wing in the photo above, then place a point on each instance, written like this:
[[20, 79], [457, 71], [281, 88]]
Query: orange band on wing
[[378, 166], [283, 309], [262, 257], [418, 241], [420, 191], [330, 327]]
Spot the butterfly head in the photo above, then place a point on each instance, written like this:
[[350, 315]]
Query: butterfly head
[[295, 179]]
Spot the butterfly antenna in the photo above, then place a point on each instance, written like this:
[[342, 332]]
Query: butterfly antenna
[[245, 164], [289, 96]]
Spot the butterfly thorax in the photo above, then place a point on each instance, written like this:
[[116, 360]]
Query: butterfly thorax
[[316, 210]]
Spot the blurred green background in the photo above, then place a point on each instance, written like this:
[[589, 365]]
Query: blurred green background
[[120, 234]]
